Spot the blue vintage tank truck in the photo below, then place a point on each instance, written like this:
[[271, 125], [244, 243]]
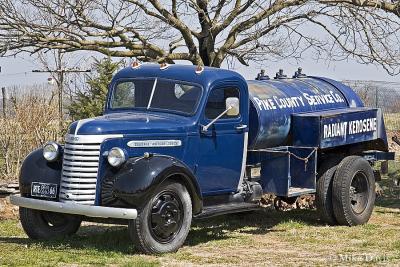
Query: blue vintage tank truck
[[177, 143]]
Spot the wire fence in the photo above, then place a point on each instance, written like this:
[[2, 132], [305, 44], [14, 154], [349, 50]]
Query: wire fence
[[384, 95]]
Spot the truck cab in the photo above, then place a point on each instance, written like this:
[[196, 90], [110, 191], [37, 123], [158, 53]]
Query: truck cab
[[172, 107], [182, 142]]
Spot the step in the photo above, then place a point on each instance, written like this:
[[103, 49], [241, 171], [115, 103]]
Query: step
[[298, 191], [221, 209]]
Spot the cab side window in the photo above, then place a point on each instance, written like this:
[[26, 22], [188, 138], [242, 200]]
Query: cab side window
[[216, 102]]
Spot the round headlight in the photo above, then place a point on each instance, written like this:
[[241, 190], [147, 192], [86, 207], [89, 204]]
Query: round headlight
[[51, 151], [116, 157]]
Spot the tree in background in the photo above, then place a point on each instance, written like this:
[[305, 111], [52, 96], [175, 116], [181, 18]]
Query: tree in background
[[90, 102], [207, 32]]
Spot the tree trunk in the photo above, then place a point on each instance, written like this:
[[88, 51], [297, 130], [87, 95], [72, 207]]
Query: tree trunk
[[207, 53], [203, 51]]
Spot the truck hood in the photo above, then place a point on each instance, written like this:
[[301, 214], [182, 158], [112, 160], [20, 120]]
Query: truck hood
[[133, 123]]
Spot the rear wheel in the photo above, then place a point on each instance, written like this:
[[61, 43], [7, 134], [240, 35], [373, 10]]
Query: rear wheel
[[164, 223], [323, 197], [45, 225], [353, 191]]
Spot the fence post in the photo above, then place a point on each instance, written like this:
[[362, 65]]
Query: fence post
[[384, 167], [3, 93]]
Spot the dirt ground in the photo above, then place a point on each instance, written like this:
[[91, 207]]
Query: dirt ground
[[7, 211]]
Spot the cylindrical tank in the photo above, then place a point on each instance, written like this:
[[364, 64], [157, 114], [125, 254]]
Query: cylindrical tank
[[272, 102]]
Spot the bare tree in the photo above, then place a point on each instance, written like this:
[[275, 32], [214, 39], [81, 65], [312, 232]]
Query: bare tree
[[206, 32]]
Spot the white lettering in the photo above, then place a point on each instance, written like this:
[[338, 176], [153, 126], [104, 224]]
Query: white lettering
[[298, 101], [348, 128]]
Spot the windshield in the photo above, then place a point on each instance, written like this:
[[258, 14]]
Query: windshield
[[155, 94]]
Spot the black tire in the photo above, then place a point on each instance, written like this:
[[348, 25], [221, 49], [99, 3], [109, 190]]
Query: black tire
[[44, 225], [164, 222], [353, 191], [323, 196]]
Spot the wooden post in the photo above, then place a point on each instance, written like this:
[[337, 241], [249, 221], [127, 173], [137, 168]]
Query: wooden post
[[60, 88], [384, 167], [3, 93]]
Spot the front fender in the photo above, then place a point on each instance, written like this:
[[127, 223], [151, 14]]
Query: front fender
[[137, 180], [36, 169]]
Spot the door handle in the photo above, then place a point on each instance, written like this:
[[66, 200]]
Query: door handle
[[241, 127]]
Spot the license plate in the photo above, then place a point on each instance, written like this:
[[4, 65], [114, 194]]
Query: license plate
[[44, 190]]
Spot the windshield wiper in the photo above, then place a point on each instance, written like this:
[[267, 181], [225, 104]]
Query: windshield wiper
[[152, 93]]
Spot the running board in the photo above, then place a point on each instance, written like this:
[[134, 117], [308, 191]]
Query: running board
[[211, 211]]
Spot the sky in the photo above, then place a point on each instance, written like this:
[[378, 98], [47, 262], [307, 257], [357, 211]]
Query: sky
[[18, 71], [350, 70]]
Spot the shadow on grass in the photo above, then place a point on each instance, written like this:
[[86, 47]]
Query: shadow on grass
[[256, 222], [106, 238]]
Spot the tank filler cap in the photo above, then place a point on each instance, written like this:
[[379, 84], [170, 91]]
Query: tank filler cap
[[280, 75], [262, 76], [299, 73]]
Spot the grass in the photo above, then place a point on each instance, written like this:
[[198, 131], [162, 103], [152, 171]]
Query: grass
[[265, 237]]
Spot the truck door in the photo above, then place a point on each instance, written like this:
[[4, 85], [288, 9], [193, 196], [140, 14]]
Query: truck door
[[223, 147]]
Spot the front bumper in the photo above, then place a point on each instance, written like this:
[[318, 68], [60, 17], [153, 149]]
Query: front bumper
[[74, 208]]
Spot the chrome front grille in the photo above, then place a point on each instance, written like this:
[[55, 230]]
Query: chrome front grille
[[80, 168]]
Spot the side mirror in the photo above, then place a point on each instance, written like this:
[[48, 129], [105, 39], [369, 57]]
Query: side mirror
[[232, 109], [232, 105]]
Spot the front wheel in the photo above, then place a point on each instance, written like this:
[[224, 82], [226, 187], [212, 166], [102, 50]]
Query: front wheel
[[164, 222], [45, 225], [353, 191]]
